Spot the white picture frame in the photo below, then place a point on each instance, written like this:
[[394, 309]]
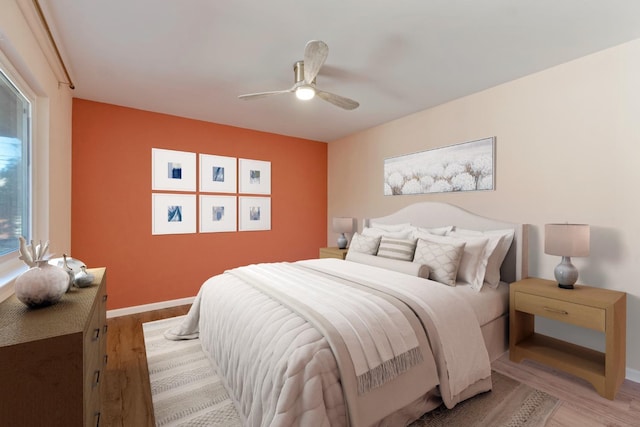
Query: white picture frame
[[173, 170], [254, 176], [173, 213], [218, 214], [255, 213], [218, 174]]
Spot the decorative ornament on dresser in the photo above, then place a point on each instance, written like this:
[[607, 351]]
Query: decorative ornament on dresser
[[43, 284]]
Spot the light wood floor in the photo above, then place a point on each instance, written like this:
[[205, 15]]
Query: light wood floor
[[127, 397]]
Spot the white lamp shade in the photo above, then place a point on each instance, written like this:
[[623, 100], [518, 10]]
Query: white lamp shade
[[343, 225], [566, 239]]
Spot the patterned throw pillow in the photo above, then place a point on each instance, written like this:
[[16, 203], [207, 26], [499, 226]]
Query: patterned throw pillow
[[364, 244], [443, 259], [401, 249]]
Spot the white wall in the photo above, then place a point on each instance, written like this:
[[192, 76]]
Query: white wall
[[24, 43], [568, 148]]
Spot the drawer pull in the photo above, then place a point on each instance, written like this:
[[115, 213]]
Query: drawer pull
[[106, 358], [104, 329], [96, 378], [557, 311], [96, 333], [104, 298], [97, 417]]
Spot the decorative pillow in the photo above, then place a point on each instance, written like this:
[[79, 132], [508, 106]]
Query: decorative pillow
[[401, 249], [406, 267], [378, 232], [442, 258], [364, 244], [505, 238], [473, 265]]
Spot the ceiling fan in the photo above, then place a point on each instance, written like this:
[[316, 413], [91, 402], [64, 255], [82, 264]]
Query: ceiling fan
[[315, 53]]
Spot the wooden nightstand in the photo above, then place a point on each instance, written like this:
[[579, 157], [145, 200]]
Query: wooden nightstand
[[333, 252], [594, 308]]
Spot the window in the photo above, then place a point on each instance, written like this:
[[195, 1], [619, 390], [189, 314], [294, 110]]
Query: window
[[15, 167]]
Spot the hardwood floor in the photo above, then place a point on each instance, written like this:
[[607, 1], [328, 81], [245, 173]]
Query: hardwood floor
[[126, 400], [127, 396]]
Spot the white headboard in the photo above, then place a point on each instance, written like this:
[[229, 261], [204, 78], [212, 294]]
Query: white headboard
[[437, 214]]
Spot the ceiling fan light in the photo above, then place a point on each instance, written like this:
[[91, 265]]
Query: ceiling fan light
[[305, 93]]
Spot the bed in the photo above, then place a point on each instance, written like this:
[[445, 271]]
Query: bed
[[333, 342]]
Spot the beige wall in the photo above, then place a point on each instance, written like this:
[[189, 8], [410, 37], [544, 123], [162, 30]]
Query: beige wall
[[24, 44], [568, 147]]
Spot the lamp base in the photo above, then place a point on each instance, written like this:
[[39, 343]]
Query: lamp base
[[566, 273], [342, 241]]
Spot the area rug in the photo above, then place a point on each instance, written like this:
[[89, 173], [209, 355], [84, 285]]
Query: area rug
[[186, 392]]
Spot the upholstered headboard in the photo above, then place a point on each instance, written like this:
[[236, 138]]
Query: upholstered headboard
[[437, 214]]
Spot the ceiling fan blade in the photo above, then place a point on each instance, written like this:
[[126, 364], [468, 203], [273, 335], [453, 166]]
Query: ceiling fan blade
[[250, 96], [315, 53], [340, 101]]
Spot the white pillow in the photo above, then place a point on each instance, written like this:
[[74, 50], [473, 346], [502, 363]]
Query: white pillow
[[442, 255], [475, 258], [505, 238], [400, 249], [364, 244], [378, 232], [406, 267]]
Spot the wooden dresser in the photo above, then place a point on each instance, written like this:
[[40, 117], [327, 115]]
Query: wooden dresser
[[52, 359]]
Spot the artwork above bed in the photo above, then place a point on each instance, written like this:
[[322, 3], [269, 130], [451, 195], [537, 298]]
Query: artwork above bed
[[468, 166]]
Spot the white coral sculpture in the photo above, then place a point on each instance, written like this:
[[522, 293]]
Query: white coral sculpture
[[32, 254]]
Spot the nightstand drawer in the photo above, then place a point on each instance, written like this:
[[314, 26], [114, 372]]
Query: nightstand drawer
[[576, 314]]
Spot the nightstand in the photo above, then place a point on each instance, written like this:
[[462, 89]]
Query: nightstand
[[333, 252], [599, 309]]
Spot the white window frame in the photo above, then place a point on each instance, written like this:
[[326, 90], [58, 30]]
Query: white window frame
[[10, 265]]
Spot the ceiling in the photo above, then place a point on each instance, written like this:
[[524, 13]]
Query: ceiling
[[193, 58]]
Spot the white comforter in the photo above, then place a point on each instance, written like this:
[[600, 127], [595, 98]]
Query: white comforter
[[282, 371]]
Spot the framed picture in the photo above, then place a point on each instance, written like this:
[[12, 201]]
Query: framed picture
[[173, 213], [217, 214], [217, 174], [173, 170], [468, 166], [255, 176], [255, 213]]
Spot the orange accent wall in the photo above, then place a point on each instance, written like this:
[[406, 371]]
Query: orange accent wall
[[111, 202]]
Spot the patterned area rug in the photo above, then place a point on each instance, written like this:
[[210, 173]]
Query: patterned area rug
[[186, 392]]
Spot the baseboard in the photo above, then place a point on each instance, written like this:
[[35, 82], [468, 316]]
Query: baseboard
[[633, 375], [149, 307]]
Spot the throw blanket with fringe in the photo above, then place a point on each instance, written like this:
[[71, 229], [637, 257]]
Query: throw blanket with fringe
[[380, 341]]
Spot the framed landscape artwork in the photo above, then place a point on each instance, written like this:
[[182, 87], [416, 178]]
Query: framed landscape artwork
[[468, 166]]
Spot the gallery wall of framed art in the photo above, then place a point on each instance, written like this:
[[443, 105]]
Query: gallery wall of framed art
[[221, 180]]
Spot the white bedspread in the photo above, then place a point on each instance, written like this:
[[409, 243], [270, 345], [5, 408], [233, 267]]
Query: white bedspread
[[281, 370]]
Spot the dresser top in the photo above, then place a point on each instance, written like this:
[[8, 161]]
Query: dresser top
[[20, 324]]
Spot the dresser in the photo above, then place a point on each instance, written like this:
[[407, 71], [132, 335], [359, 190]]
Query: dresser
[[52, 359], [602, 310]]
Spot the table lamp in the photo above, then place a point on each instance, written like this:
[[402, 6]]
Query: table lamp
[[342, 225], [566, 240]]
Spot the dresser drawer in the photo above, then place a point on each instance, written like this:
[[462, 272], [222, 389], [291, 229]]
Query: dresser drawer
[[576, 314]]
